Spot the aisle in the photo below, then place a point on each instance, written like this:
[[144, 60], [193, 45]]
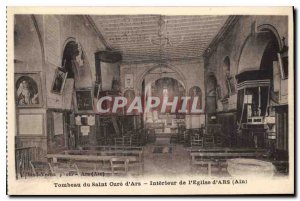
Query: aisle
[[166, 160]]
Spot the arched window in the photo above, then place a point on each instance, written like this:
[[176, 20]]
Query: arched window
[[196, 92], [72, 58], [226, 77], [68, 55]]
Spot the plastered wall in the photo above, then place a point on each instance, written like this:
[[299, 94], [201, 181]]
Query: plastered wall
[[232, 45], [30, 54]]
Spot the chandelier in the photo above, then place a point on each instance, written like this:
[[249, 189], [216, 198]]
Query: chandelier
[[162, 38]]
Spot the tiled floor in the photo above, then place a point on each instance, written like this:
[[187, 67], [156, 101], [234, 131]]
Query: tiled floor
[[162, 161], [175, 163], [174, 160]]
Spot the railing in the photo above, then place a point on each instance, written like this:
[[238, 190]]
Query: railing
[[23, 156]]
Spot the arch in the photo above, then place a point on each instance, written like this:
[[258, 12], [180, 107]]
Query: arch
[[149, 85], [68, 40], [147, 71], [155, 81], [252, 52], [257, 63], [168, 76], [271, 28], [40, 38], [254, 47], [72, 39], [72, 49], [69, 53], [28, 44], [165, 87]]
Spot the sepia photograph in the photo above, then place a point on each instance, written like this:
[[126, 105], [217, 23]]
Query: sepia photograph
[[84, 101], [27, 88], [59, 81], [177, 101]]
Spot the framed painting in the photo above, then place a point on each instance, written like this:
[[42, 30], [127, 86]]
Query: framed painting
[[59, 80], [84, 100], [28, 91]]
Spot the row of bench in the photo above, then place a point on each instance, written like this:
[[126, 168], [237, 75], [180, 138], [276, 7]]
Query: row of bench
[[216, 157], [106, 160]]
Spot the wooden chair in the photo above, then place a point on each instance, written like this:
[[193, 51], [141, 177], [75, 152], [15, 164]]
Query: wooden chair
[[118, 141], [196, 141], [187, 138], [119, 166], [135, 140], [218, 141], [40, 168], [123, 141], [127, 141], [214, 129], [180, 134], [208, 141]]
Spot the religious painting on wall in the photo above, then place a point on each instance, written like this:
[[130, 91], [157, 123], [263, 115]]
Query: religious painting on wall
[[196, 92], [28, 90], [59, 80], [83, 100]]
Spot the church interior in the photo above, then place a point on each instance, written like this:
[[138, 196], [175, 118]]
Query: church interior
[[236, 66]]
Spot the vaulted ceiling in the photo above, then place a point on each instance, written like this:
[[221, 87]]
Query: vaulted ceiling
[[158, 37]]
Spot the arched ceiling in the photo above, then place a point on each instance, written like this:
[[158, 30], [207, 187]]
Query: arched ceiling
[[158, 37], [253, 51]]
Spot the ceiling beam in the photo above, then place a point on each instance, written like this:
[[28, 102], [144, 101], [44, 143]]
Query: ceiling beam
[[132, 35], [221, 34], [161, 60], [96, 30]]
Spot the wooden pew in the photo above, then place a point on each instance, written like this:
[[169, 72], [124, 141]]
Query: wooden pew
[[55, 157], [135, 157], [217, 156], [227, 150], [105, 148], [139, 154]]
